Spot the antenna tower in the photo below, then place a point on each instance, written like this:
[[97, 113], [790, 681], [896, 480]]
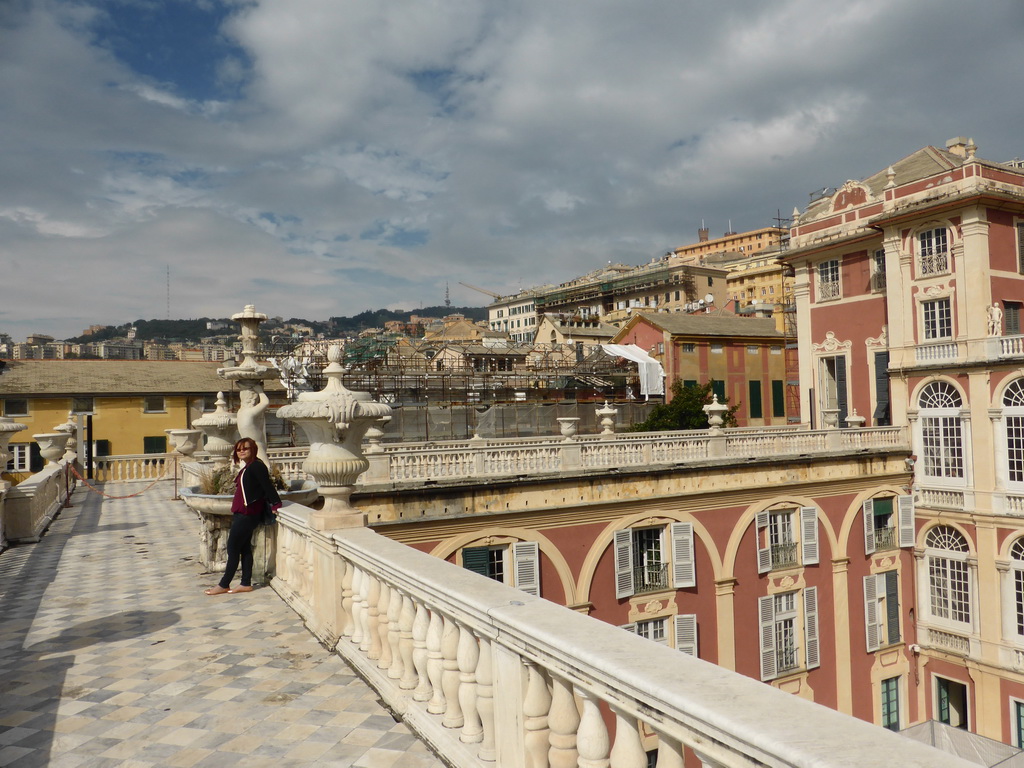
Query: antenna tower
[[447, 296], [168, 291]]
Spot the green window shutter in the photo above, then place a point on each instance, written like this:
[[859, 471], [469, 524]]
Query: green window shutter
[[718, 388], [778, 398], [476, 559], [156, 444], [102, 448], [892, 606], [755, 408]]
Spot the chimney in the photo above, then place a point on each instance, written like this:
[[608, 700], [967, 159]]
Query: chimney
[[702, 235], [958, 146]]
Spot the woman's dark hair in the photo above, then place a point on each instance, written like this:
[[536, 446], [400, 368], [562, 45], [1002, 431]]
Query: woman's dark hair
[[244, 441]]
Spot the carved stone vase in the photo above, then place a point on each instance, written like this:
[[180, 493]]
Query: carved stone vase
[[334, 421]]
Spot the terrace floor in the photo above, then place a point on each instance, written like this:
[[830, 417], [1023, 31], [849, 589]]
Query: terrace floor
[[110, 654]]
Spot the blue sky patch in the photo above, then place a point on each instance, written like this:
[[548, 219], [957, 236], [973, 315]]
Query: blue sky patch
[[176, 42]]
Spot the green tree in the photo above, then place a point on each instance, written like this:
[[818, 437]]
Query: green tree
[[685, 410]]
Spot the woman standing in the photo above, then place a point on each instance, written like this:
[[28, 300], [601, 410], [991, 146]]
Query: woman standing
[[253, 489]]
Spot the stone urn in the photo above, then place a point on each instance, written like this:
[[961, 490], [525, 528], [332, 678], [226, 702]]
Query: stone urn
[[607, 417], [335, 420], [71, 430], [8, 427], [52, 445], [219, 428], [184, 441], [568, 425], [715, 412]]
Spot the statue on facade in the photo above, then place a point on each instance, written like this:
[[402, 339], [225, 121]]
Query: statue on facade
[[995, 320]]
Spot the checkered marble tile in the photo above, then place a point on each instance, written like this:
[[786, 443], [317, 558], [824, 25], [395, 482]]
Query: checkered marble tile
[[111, 655]]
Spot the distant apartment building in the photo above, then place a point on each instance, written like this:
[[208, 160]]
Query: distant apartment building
[[756, 241], [515, 316]]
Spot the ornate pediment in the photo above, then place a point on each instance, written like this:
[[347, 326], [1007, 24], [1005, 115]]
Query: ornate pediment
[[831, 344]]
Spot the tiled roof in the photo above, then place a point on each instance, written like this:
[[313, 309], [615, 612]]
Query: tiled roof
[[679, 324], [925, 162], [114, 377]]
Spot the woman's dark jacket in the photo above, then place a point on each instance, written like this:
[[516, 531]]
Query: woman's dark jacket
[[252, 486]]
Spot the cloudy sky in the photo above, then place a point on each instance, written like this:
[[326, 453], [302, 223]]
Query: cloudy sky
[[323, 157]]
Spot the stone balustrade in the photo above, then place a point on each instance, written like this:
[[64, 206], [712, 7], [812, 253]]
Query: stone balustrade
[[450, 461], [464, 459], [490, 676], [28, 508]]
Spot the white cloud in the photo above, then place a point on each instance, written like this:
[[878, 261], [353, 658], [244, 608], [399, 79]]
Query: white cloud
[[377, 151]]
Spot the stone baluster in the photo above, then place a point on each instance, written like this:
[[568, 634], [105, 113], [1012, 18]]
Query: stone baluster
[[564, 722], [435, 663], [383, 605], [468, 658], [450, 676], [346, 599], [592, 737], [406, 618], [419, 652], [357, 606], [485, 700], [670, 752], [628, 749], [370, 590], [394, 611], [536, 706]]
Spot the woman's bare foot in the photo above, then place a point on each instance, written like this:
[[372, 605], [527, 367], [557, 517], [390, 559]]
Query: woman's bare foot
[[218, 590]]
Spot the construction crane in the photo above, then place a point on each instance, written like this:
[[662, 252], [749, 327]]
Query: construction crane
[[482, 290]]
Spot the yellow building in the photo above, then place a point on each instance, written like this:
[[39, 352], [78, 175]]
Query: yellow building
[[128, 403]]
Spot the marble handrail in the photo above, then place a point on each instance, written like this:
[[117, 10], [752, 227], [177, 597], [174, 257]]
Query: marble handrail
[[490, 676]]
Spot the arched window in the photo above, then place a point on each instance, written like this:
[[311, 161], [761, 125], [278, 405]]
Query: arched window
[[1013, 413], [1017, 556], [942, 443], [933, 251], [949, 590]]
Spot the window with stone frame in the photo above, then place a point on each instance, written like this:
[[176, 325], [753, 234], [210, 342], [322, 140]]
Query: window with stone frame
[[949, 577], [828, 280], [933, 252], [1017, 569], [881, 610], [516, 564], [878, 271], [652, 558], [683, 637], [937, 319], [15, 406], [1013, 426], [786, 538], [788, 632], [888, 523], [942, 442]]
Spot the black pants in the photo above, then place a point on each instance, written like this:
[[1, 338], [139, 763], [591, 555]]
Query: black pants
[[240, 548]]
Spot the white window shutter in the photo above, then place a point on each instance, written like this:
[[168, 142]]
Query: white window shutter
[[766, 616], [624, 563], [526, 566], [811, 627], [871, 612], [686, 633], [764, 554], [809, 535], [869, 526], [683, 572], [905, 505]]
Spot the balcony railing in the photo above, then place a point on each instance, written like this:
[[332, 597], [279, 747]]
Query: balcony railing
[[650, 578], [490, 676], [928, 353], [784, 554], [828, 290], [936, 263], [886, 538]]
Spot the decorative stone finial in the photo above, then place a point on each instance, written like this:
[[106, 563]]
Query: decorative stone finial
[[335, 420]]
